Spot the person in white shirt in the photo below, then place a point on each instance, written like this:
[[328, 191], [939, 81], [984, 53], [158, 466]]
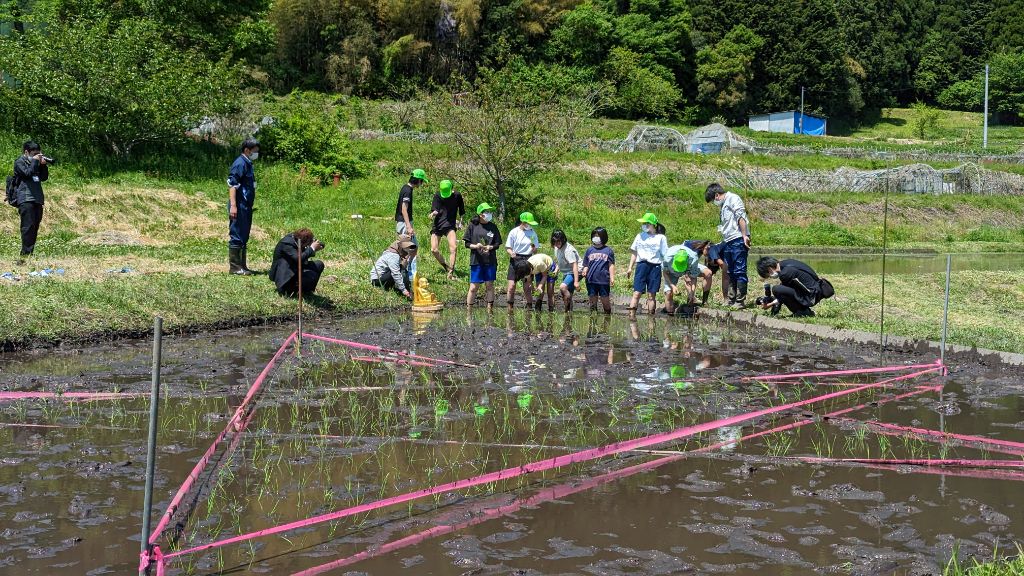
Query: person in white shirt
[[735, 229], [647, 253], [522, 242]]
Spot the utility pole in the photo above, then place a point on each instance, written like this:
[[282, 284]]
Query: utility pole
[[984, 134], [802, 109]]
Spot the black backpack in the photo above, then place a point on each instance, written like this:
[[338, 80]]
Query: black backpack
[[11, 191], [825, 288]]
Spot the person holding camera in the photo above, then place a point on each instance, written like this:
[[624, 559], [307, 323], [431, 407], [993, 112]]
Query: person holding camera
[[799, 288], [284, 271], [31, 169], [241, 197]]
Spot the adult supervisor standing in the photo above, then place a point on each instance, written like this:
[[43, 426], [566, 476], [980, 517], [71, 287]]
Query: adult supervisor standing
[[30, 171], [241, 197], [403, 210], [735, 230], [447, 210]]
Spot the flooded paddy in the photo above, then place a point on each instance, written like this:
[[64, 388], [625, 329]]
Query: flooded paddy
[[334, 430]]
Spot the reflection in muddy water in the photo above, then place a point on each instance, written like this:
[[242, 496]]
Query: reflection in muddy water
[[330, 432]]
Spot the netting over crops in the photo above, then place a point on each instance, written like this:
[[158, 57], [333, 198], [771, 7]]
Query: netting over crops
[[712, 138]]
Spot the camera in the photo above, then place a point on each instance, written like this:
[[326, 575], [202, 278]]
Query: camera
[[767, 298]]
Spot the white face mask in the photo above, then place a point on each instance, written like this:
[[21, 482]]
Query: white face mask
[[596, 240], [527, 227], [774, 274], [719, 202], [254, 155], [646, 228], [486, 216]]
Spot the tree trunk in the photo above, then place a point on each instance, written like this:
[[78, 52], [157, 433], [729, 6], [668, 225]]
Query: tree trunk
[[500, 186]]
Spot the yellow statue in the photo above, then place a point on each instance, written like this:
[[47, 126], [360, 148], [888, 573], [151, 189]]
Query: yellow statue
[[422, 298]]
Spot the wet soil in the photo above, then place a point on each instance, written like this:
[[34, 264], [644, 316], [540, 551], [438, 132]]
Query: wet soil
[[331, 431]]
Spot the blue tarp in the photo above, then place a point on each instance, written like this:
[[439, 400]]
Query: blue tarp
[[812, 125]]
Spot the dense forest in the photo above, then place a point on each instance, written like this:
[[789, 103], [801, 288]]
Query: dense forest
[[688, 60]]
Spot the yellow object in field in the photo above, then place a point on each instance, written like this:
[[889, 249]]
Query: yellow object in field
[[422, 298]]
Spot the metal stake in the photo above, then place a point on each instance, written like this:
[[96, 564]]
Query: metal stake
[[984, 134], [885, 245], [298, 341], [945, 310], [154, 412], [801, 109]]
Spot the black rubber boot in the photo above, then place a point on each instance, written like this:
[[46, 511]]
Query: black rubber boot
[[234, 260], [704, 297], [741, 295], [243, 260], [732, 292]]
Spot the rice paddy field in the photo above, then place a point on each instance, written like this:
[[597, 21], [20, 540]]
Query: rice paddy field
[[767, 468]]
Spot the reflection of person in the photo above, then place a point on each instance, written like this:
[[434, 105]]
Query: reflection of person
[[735, 229], [684, 264], [447, 210], [522, 242], [799, 286], [647, 255], [482, 237], [284, 269], [241, 197], [30, 171], [599, 269], [568, 260], [403, 210], [391, 270]]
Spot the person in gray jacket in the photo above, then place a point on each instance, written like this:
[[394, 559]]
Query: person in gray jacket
[[31, 171], [391, 269]]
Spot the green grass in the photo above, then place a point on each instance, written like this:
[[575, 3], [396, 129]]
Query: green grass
[[169, 209], [997, 567]]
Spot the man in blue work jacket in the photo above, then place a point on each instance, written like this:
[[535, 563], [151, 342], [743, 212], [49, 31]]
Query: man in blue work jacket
[[241, 196]]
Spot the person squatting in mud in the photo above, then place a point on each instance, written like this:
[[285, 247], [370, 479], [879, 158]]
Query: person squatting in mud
[[284, 270], [799, 288], [683, 263], [391, 270]]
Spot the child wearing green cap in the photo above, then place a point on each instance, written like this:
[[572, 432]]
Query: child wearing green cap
[[683, 263], [522, 242], [647, 254], [447, 211], [403, 211], [483, 239]]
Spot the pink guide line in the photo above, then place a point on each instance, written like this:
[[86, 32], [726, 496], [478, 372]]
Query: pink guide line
[[201, 465], [68, 395], [562, 491], [983, 473], [362, 346], [1005, 446], [951, 462], [936, 364], [542, 465]]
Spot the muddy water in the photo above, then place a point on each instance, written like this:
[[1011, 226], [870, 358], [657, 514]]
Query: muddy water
[[331, 432]]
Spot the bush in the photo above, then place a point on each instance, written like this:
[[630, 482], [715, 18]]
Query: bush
[[925, 120], [305, 132], [964, 95]]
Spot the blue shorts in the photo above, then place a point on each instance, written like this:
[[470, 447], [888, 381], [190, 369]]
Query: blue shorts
[[647, 277], [480, 273], [603, 290], [569, 283]]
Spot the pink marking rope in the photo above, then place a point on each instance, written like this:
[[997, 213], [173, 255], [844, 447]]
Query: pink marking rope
[[555, 462], [1004, 446], [69, 395], [567, 489], [841, 372], [371, 347], [236, 423], [950, 462]]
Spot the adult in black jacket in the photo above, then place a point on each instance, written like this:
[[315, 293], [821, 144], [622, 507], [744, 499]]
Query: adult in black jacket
[[31, 171], [799, 287], [284, 270]]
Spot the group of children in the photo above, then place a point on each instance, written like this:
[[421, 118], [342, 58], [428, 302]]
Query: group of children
[[653, 264]]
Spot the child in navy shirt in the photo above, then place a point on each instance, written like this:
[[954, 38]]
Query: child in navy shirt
[[599, 270]]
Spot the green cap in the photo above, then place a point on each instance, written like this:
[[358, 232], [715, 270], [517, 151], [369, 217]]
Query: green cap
[[681, 262], [528, 218], [446, 188], [419, 173], [483, 207], [649, 218]]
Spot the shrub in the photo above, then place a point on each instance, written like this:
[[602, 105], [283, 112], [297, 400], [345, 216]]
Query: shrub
[[305, 132]]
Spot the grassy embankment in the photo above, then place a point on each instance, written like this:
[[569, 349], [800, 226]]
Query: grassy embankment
[[164, 219]]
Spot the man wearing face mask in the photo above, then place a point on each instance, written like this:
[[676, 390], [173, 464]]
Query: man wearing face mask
[[735, 229], [483, 238], [241, 197], [799, 287]]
